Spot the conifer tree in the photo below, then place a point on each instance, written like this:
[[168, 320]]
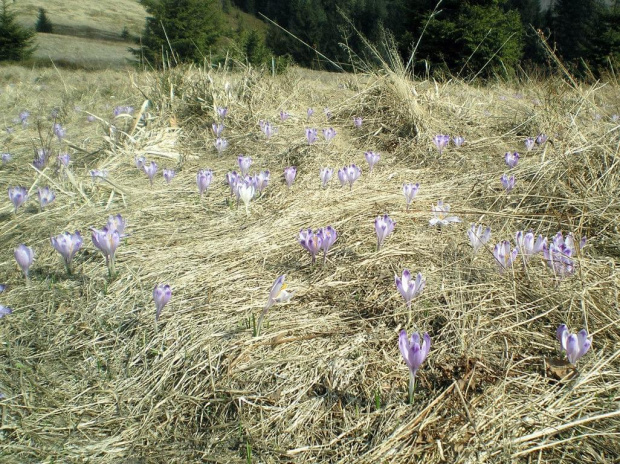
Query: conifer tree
[[16, 42], [43, 24]]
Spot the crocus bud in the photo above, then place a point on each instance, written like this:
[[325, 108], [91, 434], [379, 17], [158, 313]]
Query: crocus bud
[[161, 296], [24, 257], [203, 180], [289, 175]]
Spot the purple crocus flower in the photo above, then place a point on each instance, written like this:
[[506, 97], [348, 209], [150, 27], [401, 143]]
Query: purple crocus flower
[[217, 129], [441, 141], [161, 296], [90, 118], [117, 223], [458, 140], [40, 158], [123, 110], [325, 175], [4, 311], [64, 159], [2, 287], [311, 241], [277, 294], [203, 180], [18, 196], [268, 129], [244, 164], [6, 157], [372, 158], [232, 178], [140, 162], [569, 243], [384, 226], [220, 145], [507, 182], [289, 175], [441, 215], [59, 131], [284, 115], [107, 241], [349, 174], [328, 237], [478, 237], [97, 174], [329, 133], [410, 191], [529, 143], [24, 257], [559, 254], [541, 138], [414, 353], [575, 345], [222, 111], [46, 196], [262, 180], [409, 289], [504, 255], [527, 246], [169, 175], [357, 122], [511, 159], [150, 170], [310, 112], [67, 245], [311, 136]]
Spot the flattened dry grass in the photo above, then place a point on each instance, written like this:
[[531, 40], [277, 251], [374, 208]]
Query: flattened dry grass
[[88, 375]]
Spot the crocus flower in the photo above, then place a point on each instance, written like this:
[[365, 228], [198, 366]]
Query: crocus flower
[[246, 192], [150, 170], [222, 111], [64, 159], [357, 122], [310, 112], [232, 178], [311, 136], [203, 180], [24, 257], [441, 141], [569, 243], [325, 175], [409, 289], [529, 143], [90, 118], [329, 133], [289, 175], [527, 246], [328, 238], [541, 138], [107, 241], [220, 145], [67, 245], [384, 226], [507, 182], [441, 215], [169, 175], [140, 162], [328, 113], [414, 354], [46, 196], [575, 345], [559, 254], [284, 115], [410, 191], [40, 158], [244, 164], [268, 129], [311, 241], [18, 196], [458, 140], [6, 157], [262, 180], [372, 158], [5, 311], [478, 237], [59, 131], [277, 294], [504, 255], [97, 174], [23, 117], [123, 110], [161, 296], [511, 159], [217, 129], [117, 223], [349, 174]]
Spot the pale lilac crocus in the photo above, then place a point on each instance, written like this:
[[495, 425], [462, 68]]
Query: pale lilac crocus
[[268, 129], [541, 138], [311, 135], [511, 158], [328, 113], [527, 245], [408, 288], [222, 111], [478, 236], [575, 345], [90, 118], [504, 255], [328, 238], [384, 226], [310, 112], [245, 192], [59, 131], [277, 294], [414, 353], [329, 133], [441, 215], [67, 245], [150, 170], [349, 174], [244, 164], [107, 241], [357, 122], [123, 110], [458, 140], [97, 174], [203, 180], [232, 178], [117, 223], [559, 259], [284, 115], [326, 175], [569, 242], [140, 162], [311, 241], [372, 158], [6, 157], [289, 175], [410, 191], [169, 175], [18, 196], [4, 311], [23, 117], [220, 145], [64, 159], [161, 296], [24, 257], [217, 129], [441, 141], [529, 143], [508, 182], [46, 196], [262, 180]]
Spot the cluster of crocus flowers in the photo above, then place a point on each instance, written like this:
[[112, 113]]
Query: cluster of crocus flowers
[[414, 353], [169, 175], [150, 169], [372, 158], [511, 158], [46, 196], [508, 182], [325, 175], [384, 226], [290, 173], [441, 141], [67, 245], [329, 133], [161, 296], [311, 135], [560, 252], [504, 255], [18, 196], [349, 174], [203, 180], [410, 191], [441, 215], [108, 239], [24, 255], [528, 245], [478, 236], [575, 345], [260, 181], [220, 145], [277, 294], [320, 240]]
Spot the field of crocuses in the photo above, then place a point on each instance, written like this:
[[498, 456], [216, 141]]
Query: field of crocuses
[[232, 267]]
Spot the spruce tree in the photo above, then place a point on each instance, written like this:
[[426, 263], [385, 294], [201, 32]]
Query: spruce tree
[[43, 24], [16, 42]]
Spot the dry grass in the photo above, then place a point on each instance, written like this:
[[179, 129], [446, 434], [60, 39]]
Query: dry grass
[[88, 376]]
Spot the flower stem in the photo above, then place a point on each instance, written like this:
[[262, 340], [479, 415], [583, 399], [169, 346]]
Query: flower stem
[[411, 386]]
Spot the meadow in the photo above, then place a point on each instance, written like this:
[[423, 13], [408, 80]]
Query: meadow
[[87, 373]]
